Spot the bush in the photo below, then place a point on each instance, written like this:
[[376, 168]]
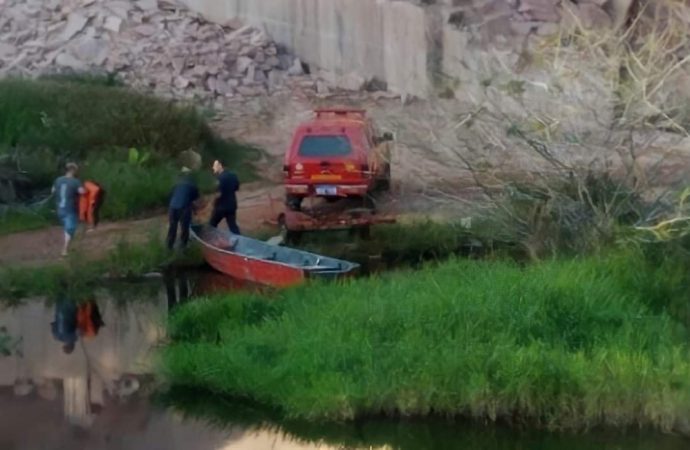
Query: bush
[[560, 344], [93, 120], [75, 120]]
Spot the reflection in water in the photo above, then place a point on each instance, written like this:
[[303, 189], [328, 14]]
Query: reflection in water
[[66, 349], [75, 374], [403, 434]]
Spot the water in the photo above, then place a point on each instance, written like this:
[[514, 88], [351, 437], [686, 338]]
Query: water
[[61, 391]]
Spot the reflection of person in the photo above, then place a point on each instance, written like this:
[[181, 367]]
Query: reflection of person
[[64, 327], [89, 320], [72, 321], [173, 281], [68, 188], [225, 205]]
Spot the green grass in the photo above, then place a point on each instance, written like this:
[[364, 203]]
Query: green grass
[[126, 260], [404, 244], [16, 221], [558, 344], [94, 121]]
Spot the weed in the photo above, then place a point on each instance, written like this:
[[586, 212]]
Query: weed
[[129, 142], [557, 344]]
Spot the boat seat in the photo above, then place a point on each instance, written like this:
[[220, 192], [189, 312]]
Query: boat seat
[[261, 255]]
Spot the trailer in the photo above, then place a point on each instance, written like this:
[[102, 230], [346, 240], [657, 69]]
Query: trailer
[[345, 214]]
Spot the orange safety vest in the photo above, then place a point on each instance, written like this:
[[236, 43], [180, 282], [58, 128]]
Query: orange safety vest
[[88, 319], [87, 202]]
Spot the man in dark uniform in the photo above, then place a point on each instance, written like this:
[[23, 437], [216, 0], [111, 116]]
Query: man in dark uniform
[[181, 207], [225, 205]]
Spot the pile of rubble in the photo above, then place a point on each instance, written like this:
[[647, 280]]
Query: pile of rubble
[[151, 44]]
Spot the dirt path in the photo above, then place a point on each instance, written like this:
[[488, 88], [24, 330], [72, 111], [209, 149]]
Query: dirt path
[[35, 248], [266, 124]]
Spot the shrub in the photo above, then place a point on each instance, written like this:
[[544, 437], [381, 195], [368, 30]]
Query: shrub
[[560, 344]]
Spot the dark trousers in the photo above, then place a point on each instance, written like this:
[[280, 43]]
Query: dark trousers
[[183, 217], [230, 217], [100, 198]]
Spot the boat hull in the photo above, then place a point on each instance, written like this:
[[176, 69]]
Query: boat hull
[[264, 264], [255, 271]]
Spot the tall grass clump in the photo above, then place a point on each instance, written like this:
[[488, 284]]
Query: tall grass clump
[[557, 344], [131, 143]]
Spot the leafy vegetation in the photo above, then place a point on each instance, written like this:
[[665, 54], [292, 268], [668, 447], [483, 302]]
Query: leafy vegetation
[[129, 142], [560, 344]]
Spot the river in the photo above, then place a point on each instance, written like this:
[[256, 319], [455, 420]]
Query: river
[[97, 391]]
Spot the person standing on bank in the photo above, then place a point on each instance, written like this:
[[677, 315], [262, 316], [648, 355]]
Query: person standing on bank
[[225, 205], [181, 208], [68, 189]]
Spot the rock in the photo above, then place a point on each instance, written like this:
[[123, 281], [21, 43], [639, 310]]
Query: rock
[[146, 30], [351, 82], [619, 11], [238, 33], [223, 88], [275, 79], [296, 68], [91, 50], [181, 82], [286, 62], [599, 3], [69, 61], [243, 63], [375, 85], [211, 83], [548, 29], [178, 65], [587, 15], [258, 39], [154, 45], [147, 5], [321, 87], [260, 77], [234, 23], [251, 73], [112, 23], [119, 8], [273, 61], [7, 50], [75, 24], [250, 91]]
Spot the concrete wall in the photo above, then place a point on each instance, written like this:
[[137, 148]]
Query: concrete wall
[[386, 39]]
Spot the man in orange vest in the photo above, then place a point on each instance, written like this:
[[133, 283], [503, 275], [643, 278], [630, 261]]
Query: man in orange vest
[[90, 203], [89, 320]]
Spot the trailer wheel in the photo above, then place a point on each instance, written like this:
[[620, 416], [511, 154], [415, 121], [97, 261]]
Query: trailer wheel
[[370, 202], [289, 236], [293, 202]]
